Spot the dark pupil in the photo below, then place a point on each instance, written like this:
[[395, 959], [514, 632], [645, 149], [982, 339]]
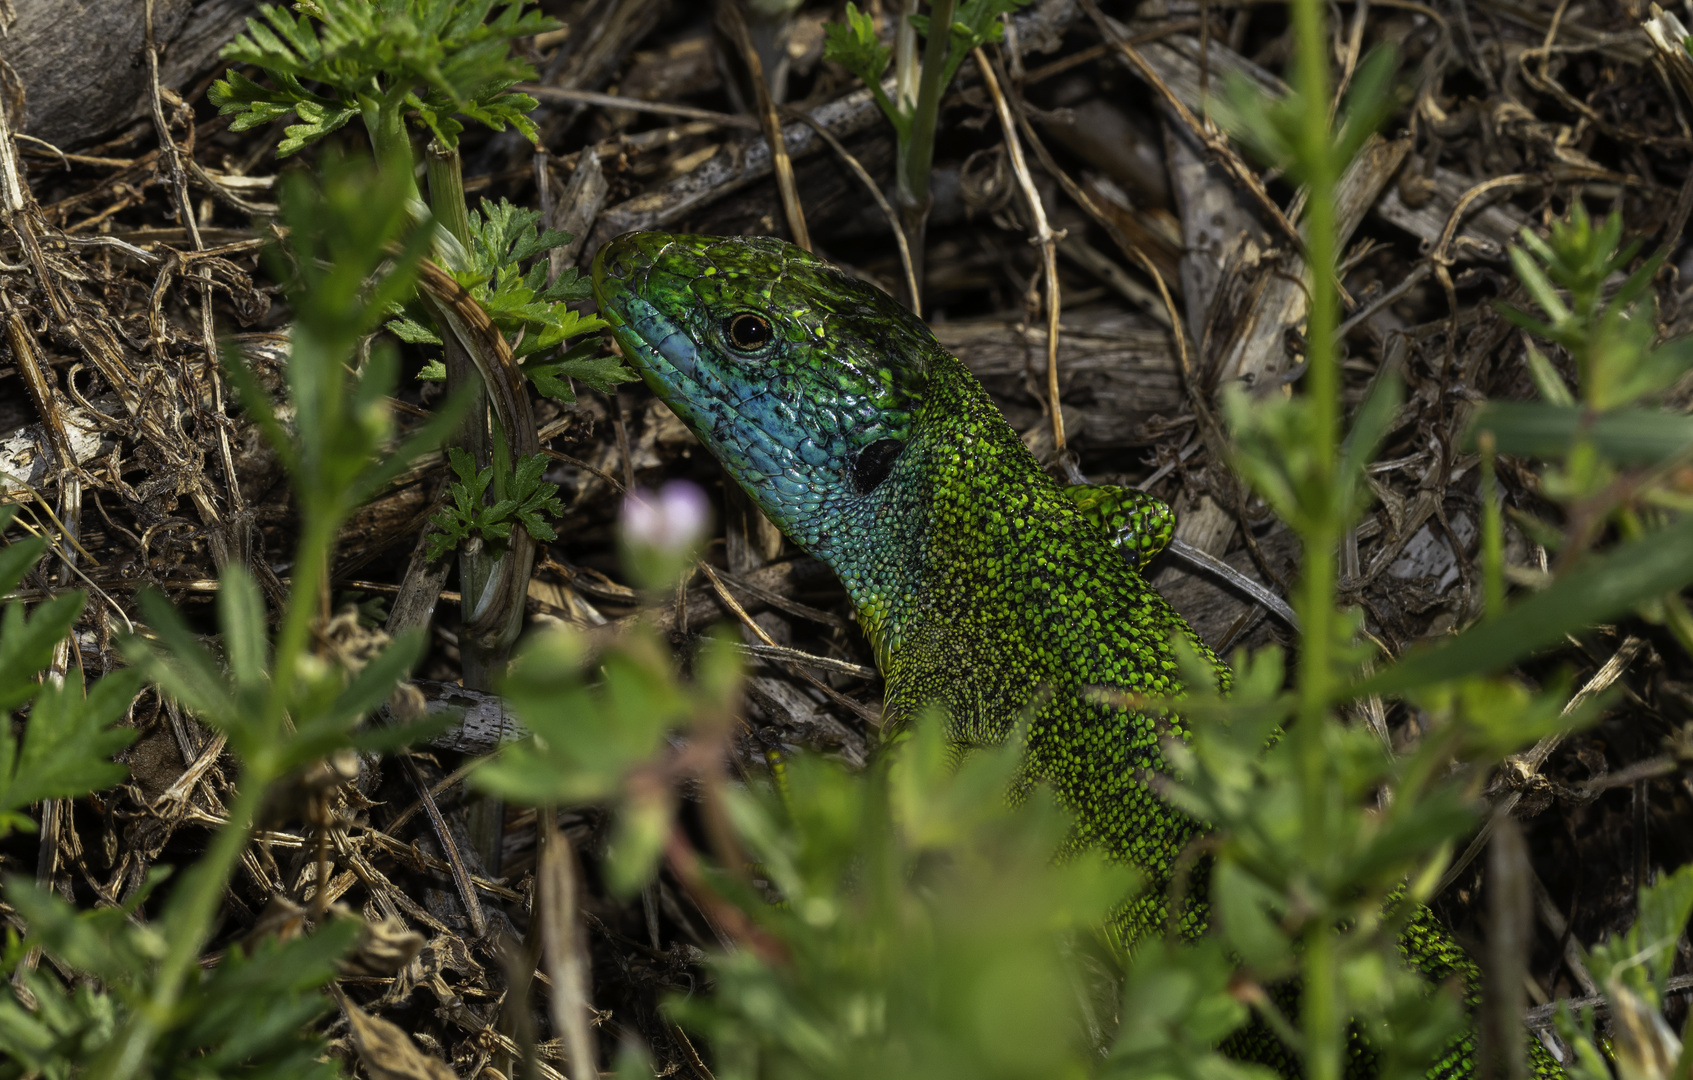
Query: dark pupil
[[748, 331]]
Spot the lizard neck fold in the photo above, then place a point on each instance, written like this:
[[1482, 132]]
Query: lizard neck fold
[[950, 500]]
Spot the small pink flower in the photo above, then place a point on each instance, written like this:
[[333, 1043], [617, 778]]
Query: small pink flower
[[673, 521]]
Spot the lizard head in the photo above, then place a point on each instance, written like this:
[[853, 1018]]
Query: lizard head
[[803, 381]]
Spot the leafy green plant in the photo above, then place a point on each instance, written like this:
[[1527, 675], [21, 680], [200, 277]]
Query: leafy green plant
[[909, 921], [532, 313], [437, 59], [467, 516], [429, 61], [154, 1010], [1613, 457], [66, 747], [433, 65], [914, 109], [1302, 885], [1634, 968]]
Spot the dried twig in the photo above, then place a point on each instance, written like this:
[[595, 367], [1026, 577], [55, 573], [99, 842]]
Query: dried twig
[[1045, 239], [783, 166]]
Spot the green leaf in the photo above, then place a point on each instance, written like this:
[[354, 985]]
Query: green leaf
[[68, 741], [855, 46], [1249, 914], [534, 315], [1546, 379], [27, 643], [1607, 586], [414, 333], [1625, 436], [18, 555], [528, 499], [179, 663], [241, 616], [534, 498], [1369, 426], [599, 369]]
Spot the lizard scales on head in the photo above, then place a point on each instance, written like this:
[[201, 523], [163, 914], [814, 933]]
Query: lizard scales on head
[[982, 585]]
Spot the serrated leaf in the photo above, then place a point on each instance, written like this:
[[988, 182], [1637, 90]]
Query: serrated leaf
[[599, 370], [855, 46], [414, 333]]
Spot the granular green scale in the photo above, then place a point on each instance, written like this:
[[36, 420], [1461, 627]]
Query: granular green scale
[[983, 586]]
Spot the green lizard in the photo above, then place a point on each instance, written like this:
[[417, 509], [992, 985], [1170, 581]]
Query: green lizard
[[981, 584]]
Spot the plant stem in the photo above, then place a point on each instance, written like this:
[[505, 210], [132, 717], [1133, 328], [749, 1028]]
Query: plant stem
[[917, 154], [188, 919], [1320, 1011], [1316, 159], [188, 925], [1492, 532], [445, 170], [385, 123], [479, 563]]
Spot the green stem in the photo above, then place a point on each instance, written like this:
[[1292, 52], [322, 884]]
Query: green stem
[[1492, 532], [446, 190], [919, 158], [1320, 1011], [311, 559], [188, 926], [195, 902], [385, 123], [915, 146]]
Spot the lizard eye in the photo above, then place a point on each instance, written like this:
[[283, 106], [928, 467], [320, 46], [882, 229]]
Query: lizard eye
[[747, 332]]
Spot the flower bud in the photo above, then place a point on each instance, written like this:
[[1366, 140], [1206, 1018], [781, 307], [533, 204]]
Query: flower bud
[[662, 532]]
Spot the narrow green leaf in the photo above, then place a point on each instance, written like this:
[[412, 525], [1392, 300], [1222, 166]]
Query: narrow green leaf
[[26, 643], [179, 663], [69, 740], [17, 557], [241, 615], [1626, 436], [1607, 586]]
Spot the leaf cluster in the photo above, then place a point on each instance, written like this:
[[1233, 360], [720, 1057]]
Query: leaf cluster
[[535, 316], [1634, 967], [526, 500], [592, 737], [1609, 332], [67, 743], [854, 45], [282, 705], [337, 59], [1278, 131], [341, 276], [250, 1016]]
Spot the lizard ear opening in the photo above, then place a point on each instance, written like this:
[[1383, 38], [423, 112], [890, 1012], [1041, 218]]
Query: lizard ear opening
[[874, 463]]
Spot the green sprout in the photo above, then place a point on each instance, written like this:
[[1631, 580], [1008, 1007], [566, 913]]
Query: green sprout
[[914, 109]]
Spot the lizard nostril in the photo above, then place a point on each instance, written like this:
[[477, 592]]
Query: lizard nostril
[[624, 257], [616, 266]]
